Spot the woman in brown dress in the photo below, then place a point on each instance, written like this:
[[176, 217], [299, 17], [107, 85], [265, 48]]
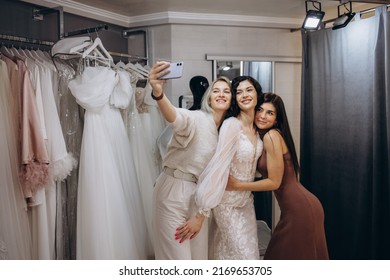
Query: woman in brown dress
[[300, 233]]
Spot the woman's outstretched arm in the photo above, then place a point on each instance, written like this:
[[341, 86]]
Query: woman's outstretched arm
[[166, 108]]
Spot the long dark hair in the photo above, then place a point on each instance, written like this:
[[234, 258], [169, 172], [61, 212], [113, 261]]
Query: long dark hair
[[234, 109], [283, 126]]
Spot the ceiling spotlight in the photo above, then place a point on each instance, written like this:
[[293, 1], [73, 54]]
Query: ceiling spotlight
[[227, 66], [313, 18], [343, 20]]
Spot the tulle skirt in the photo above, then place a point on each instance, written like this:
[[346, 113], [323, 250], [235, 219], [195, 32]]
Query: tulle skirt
[[110, 218]]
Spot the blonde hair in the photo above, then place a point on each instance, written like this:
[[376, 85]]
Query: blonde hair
[[205, 105]]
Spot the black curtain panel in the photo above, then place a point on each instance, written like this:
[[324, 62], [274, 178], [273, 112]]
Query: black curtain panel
[[345, 134]]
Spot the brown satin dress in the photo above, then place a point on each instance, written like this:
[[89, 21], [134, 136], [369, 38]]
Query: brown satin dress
[[300, 233]]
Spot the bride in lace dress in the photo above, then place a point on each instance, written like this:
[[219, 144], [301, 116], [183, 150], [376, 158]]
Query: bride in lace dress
[[239, 147]]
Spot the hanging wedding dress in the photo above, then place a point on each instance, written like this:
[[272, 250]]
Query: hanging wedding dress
[[110, 218], [72, 121], [43, 215], [153, 123], [147, 170]]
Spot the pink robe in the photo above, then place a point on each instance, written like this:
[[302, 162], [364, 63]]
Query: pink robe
[[34, 157]]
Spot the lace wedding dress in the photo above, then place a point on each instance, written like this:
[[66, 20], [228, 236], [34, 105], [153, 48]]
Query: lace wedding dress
[[233, 231]]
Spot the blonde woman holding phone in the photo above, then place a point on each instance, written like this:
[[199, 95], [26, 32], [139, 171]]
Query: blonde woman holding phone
[[194, 140]]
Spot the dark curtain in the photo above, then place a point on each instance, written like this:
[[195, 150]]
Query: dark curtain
[[345, 135]]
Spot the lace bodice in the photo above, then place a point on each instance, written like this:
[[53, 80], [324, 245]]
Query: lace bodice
[[243, 168], [235, 155]]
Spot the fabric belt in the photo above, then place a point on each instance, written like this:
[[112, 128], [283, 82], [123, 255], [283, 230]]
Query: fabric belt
[[180, 174]]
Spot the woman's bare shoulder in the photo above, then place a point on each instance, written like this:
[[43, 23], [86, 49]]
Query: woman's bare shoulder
[[273, 138]]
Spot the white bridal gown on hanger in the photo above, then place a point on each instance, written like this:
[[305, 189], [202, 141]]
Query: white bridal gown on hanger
[[110, 218]]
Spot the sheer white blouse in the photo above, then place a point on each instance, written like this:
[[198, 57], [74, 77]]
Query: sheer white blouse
[[235, 155]]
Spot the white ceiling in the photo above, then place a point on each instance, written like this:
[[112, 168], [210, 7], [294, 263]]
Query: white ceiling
[[280, 13]]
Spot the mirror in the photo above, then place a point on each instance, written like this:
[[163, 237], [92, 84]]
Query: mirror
[[260, 70]]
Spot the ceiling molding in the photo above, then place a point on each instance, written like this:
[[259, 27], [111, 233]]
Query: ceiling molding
[[79, 9], [169, 17], [213, 19], [292, 59]]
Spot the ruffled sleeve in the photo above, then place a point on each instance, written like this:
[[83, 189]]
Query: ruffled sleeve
[[212, 182], [93, 88], [122, 92]]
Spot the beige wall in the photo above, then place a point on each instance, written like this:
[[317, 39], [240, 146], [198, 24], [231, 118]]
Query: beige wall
[[191, 44]]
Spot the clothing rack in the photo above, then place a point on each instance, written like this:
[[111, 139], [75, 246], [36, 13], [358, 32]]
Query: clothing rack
[[86, 30], [105, 27], [25, 40], [130, 56]]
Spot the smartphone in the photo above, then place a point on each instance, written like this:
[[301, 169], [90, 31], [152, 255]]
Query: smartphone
[[176, 71]]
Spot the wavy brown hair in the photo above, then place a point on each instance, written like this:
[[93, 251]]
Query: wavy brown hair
[[234, 108]]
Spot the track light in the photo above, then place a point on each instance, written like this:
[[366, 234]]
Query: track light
[[344, 19], [227, 66], [313, 17]]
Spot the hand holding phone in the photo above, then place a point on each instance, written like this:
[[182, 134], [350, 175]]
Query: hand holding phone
[[176, 71]]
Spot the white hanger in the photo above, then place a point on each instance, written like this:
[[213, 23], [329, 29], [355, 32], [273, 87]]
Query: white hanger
[[97, 44], [39, 56], [119, 65], [80, 47], [135, 70], [5, 51], [63, 46], [31, 54], [142, 69], [43, 55], [17, 54]]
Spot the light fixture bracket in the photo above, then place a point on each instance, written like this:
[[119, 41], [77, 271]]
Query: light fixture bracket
[[314, 16], [344, 5], [313, 3], [343, 18]]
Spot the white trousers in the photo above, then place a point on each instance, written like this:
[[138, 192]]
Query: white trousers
[[172, 206]]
